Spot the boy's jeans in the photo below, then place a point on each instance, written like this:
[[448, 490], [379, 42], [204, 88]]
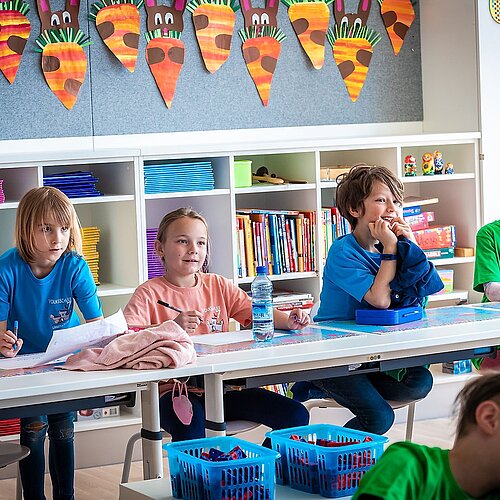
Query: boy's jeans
[[366, 396], [60, 429]]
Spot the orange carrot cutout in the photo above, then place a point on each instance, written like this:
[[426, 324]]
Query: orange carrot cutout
[[261, 39], [61, 43], [398, 16], [165, 56], [310, 19], [165, 50], [352, 43], [118, 24], [15, 30], [214, 24]]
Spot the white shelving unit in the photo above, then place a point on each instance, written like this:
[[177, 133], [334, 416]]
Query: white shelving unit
[[124, 212]]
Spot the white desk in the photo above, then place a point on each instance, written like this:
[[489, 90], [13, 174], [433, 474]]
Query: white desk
[[259, 366]]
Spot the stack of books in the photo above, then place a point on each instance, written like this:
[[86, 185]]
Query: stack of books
[[437, 242], [333, 226], [282, 240], [10, 427], [155, 265], [178, 177], [286, 300], [74, 184], [2, 194], [90, 239]]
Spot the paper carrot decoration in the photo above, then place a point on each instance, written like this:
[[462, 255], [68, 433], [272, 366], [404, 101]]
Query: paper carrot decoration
[[165, 49], [64, 62], [310, 19], [261, 39], [214, 24], [15, 30], [352, 43], [398, 16], [61, 43], [261, 50], [118, 24], [165, 56]]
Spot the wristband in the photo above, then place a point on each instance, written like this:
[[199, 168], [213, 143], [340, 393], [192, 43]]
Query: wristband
[[388, 256]]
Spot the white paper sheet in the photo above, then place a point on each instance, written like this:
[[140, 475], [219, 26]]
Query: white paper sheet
[[226, 337], [69, 340]]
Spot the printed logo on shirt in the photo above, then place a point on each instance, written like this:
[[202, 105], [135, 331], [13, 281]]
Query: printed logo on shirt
[[212, 323], [62, 311]]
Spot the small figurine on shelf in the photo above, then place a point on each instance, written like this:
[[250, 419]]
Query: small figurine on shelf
[[438, 162], [410, 166], [427, 164], [449, 168]]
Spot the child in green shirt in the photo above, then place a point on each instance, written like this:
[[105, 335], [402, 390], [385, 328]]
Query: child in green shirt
[[470, 470], [487, 265]]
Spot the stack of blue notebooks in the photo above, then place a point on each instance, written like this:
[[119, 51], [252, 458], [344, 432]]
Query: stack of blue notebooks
[[178, 177], [73, 184]]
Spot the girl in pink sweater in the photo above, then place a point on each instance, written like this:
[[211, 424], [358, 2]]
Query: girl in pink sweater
[[205, 303]]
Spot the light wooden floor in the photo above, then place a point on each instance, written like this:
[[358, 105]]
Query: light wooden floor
[[101, 483]]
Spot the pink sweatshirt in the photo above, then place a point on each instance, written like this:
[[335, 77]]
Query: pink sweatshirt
[[217, 298]]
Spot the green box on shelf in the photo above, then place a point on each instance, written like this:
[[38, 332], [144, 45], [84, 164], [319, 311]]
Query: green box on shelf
[[242, 173]]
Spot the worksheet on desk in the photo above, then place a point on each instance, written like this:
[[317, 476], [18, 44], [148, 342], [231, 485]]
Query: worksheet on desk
[[240, 341], [70, 340]]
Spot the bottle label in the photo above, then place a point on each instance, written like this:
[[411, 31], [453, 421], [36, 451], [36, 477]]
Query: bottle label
[[263, 311]]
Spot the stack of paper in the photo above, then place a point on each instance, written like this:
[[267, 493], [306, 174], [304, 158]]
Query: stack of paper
[[155, 265], [74, 184], [90, 238], [2, 195], [178, 177]]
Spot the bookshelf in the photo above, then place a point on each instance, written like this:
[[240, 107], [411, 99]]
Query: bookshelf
[[125, 211]]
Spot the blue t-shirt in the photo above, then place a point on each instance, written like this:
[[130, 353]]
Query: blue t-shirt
[[349, 273], [43, 305]]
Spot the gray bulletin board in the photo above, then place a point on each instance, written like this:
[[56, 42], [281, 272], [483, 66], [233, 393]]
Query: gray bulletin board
[[114, 101]]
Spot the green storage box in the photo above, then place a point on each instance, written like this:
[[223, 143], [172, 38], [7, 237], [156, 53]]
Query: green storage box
[[242, 173]]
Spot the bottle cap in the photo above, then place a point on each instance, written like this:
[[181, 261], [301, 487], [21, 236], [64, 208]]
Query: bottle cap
[[261, 269]]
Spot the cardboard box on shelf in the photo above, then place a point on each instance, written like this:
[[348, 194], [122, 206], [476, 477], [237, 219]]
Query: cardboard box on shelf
[[331, 173], [464, 252]]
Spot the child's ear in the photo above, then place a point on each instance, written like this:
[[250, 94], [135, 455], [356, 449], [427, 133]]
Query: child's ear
[[355, 212], [158, 248], [488, 417]]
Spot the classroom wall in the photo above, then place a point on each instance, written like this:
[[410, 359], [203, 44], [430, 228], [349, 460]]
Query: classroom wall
[[489, 76], [114, 102]]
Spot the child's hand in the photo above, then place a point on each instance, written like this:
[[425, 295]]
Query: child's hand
[[298, 319], [189, 320], [7, 343], [381, 231], [401, 228]]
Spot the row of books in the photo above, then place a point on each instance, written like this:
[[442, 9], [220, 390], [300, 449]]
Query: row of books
[[155, 265], [90, 239], [2, 194], [10, 427], [286, 300], [333, 226], [282, 240]]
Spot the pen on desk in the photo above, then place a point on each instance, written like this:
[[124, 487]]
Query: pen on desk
[[16, 326], [166, 304]]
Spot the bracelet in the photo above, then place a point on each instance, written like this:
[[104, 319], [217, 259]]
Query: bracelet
[[388, 256]]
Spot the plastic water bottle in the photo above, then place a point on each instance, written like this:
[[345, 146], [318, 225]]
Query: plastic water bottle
[[262, 306]]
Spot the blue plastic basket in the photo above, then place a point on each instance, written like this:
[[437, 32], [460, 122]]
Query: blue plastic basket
[[194, 478], [331, 472]]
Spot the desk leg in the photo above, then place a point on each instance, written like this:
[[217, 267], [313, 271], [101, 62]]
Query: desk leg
[[214, 406], [152, 459]]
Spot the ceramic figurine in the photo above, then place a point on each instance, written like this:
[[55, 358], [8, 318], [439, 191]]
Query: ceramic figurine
[[410, 166], [449, 168], [427, 164], [438, 162]]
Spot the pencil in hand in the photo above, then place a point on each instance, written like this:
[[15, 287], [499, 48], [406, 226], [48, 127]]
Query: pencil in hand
[[166, 304]]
